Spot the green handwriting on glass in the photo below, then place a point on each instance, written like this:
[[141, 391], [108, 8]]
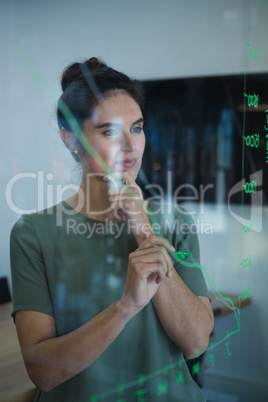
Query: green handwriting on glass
[[211, 359], [162, 388], [180, 378], [266, 111], [227, 347], [141, 395], [250, 187], [248, 226], [196, 368], [252, 140], [165, 370], [266, 137], [120, 388], [246, 262], [245, 294], [254, 53], [253, 100]]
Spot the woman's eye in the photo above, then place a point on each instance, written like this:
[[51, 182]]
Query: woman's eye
[[137, 129], [111, 133]]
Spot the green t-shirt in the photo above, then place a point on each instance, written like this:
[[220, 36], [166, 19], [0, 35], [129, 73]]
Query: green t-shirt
[[71, 267]]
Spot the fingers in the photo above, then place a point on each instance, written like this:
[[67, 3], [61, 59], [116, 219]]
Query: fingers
[[123, 184], [159, 244], [152, 272], [154, 241], [155, 256], [125, 199]]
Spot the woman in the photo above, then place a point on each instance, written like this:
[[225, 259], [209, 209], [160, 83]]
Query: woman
[[102, 310]]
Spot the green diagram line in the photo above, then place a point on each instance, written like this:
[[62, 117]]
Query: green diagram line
[[81, 137], [215, 287], [177, 364]]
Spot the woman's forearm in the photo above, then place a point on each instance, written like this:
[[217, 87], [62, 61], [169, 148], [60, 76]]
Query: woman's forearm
[[185, 318], [53, 361]]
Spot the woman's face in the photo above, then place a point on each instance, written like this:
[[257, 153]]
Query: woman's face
[[115, 131]]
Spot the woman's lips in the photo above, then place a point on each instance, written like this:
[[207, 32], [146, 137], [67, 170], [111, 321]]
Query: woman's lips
[[128, 163]]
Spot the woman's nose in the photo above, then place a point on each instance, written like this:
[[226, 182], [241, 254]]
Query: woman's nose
[[127, 142]]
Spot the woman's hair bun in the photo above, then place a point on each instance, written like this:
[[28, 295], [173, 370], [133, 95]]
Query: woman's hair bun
[[94, 64], [76, 71], [70, 74], [85, 85]]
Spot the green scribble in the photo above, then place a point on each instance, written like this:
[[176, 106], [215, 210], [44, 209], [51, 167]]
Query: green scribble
[[181, 255], [246, 262], [141, 380], [252, 140], [94, 398], [266, 111], [250, 187], [227, 347], [120, 388], [141, 395], [253, 100], [165, 370], [162, 388], [196, 368], [253, 53], [180, 378], [245, 294], [248, 226], [211, 359]]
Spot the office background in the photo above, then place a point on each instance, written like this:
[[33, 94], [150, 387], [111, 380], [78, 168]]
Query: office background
[[150, 40]]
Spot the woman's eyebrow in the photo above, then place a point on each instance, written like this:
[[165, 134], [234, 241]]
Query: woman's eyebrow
[[111, 124], [141, 120], [108, 124]]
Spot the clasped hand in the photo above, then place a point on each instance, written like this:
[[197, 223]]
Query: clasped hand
[[151, 263], [148, 266], [128, 204]]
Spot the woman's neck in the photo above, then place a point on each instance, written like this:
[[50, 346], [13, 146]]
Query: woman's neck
[[92, 199]]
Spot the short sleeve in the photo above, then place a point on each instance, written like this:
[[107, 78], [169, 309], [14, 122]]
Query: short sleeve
[[29, 281], [187, 241]]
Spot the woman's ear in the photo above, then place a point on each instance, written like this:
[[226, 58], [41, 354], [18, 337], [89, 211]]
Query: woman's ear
[[69, 139]]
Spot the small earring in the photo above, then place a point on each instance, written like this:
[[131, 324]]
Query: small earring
[[76, 151]]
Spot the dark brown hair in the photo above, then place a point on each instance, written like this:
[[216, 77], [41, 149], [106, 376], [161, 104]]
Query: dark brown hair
[[84, 85]]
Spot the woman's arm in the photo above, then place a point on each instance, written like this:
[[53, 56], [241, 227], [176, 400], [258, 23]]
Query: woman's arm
[[186, 318], [52, 360]]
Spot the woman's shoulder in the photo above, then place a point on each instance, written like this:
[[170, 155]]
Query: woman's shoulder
[[36, 222]]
